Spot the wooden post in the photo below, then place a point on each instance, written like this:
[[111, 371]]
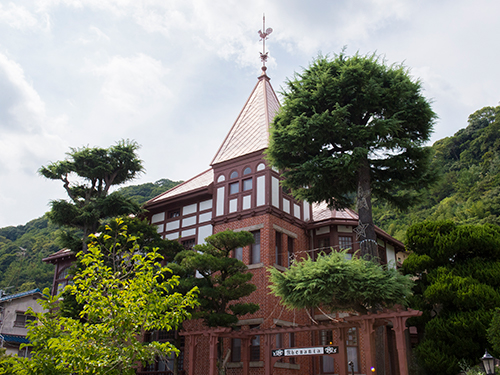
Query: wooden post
[[399, 327], [342, 356], [367, 331], [213, 354], [192, 340]]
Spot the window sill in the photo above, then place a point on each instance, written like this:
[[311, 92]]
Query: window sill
[[240, 364], [278, 267], [291, 366], [255, 265]]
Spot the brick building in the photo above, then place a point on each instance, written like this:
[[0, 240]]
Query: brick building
[[241, 192]]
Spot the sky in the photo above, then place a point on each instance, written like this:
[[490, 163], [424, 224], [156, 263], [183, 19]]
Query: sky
[[173, 75]]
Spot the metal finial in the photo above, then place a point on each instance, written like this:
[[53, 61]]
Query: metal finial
[[263, 36]]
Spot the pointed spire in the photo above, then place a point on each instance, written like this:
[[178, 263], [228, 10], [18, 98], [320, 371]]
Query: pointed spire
[[263, 36], [250, 132]]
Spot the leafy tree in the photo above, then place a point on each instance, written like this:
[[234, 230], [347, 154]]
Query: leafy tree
[[120, 303], [457, 288], [340, 284], [88, 174], [221, 279], [353, 127]]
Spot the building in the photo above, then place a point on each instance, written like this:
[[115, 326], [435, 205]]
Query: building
[[240, 191], [13, 320]]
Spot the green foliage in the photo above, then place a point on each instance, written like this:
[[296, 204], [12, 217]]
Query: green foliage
[[120, 302], [40, 238], [468, 191], [222, 279], [346, 114], [340, 284], [144, 192], [494, 332], [22, 249], [457, 288], [88, 174]]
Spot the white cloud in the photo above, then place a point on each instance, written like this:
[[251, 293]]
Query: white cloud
[[17, 17], [131, 84], [26, 141]]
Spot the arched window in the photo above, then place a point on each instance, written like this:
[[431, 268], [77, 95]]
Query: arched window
[[221, 178], [261, 167], [247, 170], [234, 174]]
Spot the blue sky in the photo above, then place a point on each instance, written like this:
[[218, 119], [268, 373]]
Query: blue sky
[[173, 75]]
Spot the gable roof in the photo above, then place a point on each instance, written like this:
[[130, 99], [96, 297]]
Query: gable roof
[[250, 132], [20, 295], [203, 180]]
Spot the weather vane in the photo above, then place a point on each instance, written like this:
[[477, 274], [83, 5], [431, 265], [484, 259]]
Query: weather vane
[[263, 36]]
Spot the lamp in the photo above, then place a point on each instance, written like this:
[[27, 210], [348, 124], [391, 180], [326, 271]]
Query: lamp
[[488, 363], [351, 365]]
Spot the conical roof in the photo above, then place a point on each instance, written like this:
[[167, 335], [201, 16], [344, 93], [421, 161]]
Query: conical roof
[[250, 131]]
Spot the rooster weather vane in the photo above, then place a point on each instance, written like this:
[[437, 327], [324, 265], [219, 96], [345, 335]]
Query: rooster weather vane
[[263, 36]]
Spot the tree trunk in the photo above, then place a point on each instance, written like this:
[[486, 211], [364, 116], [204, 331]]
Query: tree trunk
[[366, 230]]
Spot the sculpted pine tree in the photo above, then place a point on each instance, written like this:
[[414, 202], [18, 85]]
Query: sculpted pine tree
[[353, 127], [88, 174], [221, 279]]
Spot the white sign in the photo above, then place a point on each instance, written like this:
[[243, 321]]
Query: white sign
[[318, 350]]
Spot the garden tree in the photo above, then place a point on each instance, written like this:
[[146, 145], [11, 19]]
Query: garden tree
[[457, 288], [353, 127], [146, 237], [221, 279], [494, 331], [121, 302], [338, 284], [88, 174]]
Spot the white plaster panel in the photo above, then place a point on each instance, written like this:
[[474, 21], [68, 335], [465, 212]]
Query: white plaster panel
[[247, 202], [188, 221], [186, 210], [188, 232], [296, 210], [323, 230], [391, 256], [275, 192], [205, 205], [261, 190], [159, 228], [207, 216], [204, 232], [173, 225], [233, 205], [158, 217], [306, 211], [172, 236], [220, 201], [344, 228], [286, 205]]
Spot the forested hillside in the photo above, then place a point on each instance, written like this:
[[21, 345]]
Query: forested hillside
[[23, 247], [468, 188]]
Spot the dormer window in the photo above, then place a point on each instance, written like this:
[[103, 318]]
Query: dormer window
[[233, 174]]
